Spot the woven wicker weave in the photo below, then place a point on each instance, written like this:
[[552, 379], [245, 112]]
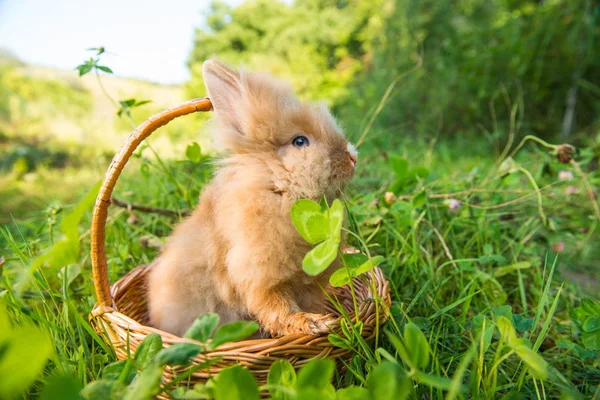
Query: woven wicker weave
[[121, 314]]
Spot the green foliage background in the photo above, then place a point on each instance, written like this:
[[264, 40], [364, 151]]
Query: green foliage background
[[471, 57]]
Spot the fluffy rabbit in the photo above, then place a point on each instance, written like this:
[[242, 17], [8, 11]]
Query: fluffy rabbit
[[238, 254]]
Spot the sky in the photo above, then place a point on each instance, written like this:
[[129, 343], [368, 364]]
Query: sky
[[148, 39]]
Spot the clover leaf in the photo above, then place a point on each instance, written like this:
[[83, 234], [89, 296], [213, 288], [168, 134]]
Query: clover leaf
[[320, 226]]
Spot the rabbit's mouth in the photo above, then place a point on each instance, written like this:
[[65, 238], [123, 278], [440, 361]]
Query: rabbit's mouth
[[352, 154], [343, 164], [353, 160]]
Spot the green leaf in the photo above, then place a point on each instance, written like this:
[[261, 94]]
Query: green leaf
[[490, 258], [538, 367], [345, 274], [141, 102], [103, 390], [578, 316], [591, 340], [419, 199], [505, 311], [339, 341], [507, 330], [590, 306], [498, 272], [24, 352], [127, 103], [418, 173], [182, 393], [320, 258], [521, 323], [354, 260], [177, 354], [389, 381], [316, 374], [147, 384], [203, 327], [61, 387], [433, 381], [98, 50], [577, 349], [340, 277], [233, 332], [565, 344], [591, 324], [359, 327], [235, 383], [352, 393], [281, 374], [311, 393], [417, 345], [336, 219], [84, 68], [193, 152], [401, 349], [346, 329], [114, 370], [386, 354], [488, 249], [400, 167], [368, 265], [147, 350], [104, 68], [311, 220]]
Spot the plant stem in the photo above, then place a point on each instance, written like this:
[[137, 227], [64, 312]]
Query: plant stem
[[535, 139], [537, 192], [148, 209], [109, 97]]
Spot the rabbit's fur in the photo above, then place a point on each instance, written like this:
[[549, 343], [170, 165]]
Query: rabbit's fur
[[238, 254]]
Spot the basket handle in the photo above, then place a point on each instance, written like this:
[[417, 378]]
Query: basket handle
[[97, 232]]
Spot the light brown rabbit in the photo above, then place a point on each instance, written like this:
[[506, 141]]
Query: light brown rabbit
[[238, 254]]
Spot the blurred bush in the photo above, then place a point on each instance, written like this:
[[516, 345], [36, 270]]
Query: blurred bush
[[317, 44], [482, 61]]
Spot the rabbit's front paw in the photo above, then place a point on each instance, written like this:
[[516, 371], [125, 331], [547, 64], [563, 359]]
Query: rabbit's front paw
[[313, 324]]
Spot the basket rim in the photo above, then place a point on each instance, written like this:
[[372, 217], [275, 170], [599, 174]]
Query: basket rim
[[100, 211], [114, 317]]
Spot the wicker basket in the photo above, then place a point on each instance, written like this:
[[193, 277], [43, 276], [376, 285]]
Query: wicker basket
[[121, 315]]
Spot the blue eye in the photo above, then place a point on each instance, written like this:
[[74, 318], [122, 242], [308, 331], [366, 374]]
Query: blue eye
[[300, 141]]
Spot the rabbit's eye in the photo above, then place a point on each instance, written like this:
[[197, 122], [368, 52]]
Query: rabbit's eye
[[300, 141]]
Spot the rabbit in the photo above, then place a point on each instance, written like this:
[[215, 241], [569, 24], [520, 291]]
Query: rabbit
[[238, 254]]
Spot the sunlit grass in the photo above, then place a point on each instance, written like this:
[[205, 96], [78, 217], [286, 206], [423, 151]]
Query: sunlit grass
[[492, 256]]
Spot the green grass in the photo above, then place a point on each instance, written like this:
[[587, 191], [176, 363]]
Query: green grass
[[452, 271]]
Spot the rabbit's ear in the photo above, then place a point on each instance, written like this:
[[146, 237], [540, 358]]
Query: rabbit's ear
[[225, 91]]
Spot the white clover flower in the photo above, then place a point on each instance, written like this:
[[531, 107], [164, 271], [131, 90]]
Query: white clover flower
[[454, 205], [565, 176], [569, 190]]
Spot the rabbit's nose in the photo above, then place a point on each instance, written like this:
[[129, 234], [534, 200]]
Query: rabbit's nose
[[352, 153], [353, 159]]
